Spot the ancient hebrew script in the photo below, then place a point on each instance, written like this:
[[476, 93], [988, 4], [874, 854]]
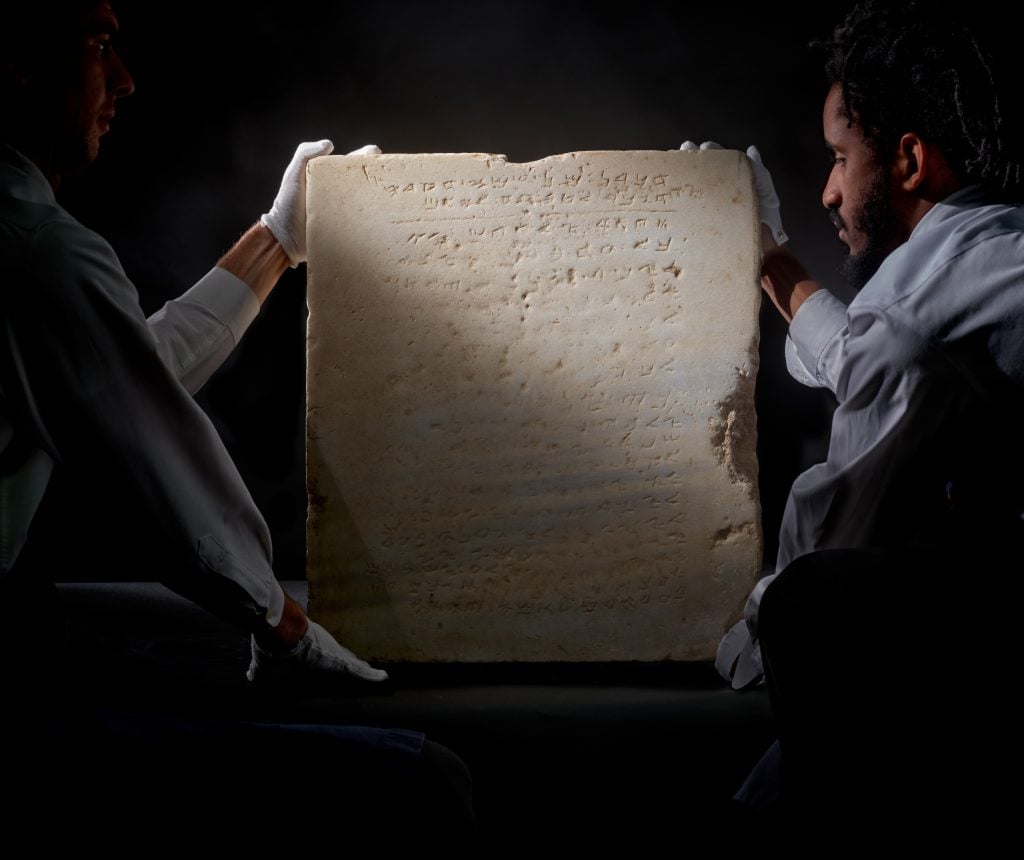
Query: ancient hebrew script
[[531, 430]]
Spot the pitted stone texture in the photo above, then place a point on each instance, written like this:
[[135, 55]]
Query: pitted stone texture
[[531, 430]]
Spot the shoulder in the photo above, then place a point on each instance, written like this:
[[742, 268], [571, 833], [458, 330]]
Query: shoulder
[[19, 221], [964, 263], [948, 304], [50, 257], [61, 247]]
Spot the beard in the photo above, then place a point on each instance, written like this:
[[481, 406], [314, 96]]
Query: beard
[[876, 221]]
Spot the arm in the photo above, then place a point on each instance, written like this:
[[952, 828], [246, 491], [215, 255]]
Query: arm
[[196, 332], [895, 437], [783, 278], [893, 444], [815, 346], [84, 383], [80, 375], [258, 259]]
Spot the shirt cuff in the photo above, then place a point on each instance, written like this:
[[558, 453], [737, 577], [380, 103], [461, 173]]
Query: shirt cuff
[[815, 332], [228, 298]]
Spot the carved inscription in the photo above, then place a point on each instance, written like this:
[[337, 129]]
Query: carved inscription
[[530, 388]]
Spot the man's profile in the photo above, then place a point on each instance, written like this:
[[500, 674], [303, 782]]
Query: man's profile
[[96, 397], [97, 394]]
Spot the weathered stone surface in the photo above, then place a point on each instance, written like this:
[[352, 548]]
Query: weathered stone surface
[[531, 429]]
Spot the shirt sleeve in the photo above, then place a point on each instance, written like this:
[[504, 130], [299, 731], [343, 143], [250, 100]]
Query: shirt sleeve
[[197, 331], [898, 394], [815, 346], [884, 475]]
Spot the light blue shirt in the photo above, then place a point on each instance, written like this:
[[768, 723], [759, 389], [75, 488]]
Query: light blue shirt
[[934, 341]]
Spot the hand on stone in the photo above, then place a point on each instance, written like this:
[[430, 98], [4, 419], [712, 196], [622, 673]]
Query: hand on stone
[[287, 217], [767, 200], [690, 146], [369, 149], [318, 656], [738, 658]]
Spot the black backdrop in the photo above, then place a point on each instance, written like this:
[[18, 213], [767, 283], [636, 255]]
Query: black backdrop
[[225, 91]]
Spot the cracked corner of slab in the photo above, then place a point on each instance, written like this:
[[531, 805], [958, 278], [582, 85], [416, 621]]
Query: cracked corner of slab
[[734, 428], [735, 533]]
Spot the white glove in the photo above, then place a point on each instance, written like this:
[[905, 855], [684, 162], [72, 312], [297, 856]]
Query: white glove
[[369, 149], [287, 217], [767, 200], [690, 146], [316, 655], [739, 659]]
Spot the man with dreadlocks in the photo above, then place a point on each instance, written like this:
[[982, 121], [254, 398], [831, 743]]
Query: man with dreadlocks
[[896, 552]]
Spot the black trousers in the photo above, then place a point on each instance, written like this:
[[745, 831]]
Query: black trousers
[[81, 773], [890, 675]]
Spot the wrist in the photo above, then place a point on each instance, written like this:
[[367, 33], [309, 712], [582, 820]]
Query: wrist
[[786, 281], [258, 259]]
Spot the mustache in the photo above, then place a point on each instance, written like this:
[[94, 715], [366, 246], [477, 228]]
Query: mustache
[[836, 219]]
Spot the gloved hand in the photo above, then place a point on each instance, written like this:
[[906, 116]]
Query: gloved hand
[[318, 655], [690, 146], [767, 200], [287, 217], [738, 659]]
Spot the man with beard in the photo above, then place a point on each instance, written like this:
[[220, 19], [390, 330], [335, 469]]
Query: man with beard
[[897, 553]]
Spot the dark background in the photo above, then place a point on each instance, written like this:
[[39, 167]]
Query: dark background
[[225, 92]]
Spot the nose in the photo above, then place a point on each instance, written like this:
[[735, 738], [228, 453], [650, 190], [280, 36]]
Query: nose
[[830, 194], [119, 81]]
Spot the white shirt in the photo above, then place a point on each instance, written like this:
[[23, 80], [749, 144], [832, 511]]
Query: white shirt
[[87, 381], [927, 363]]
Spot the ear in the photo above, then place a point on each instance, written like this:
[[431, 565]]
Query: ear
[[913, 162]]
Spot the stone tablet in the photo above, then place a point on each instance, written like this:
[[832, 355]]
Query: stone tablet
[[531, 430]]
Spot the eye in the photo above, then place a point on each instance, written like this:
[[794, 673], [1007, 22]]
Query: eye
[[103, 45]]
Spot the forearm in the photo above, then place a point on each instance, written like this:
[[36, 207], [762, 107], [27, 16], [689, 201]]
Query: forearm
[[195, 332], [258, 259], [784, 278]]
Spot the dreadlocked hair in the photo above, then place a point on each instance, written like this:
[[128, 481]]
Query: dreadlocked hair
[[923, 67]]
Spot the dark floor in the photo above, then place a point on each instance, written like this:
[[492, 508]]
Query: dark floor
[[571, 753]]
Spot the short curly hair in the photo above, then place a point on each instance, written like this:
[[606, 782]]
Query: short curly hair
[[940, 71]]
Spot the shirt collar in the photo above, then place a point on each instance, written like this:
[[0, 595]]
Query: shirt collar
[[968, 197]]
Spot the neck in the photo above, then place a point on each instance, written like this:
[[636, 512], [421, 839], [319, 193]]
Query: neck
[[914, 207], [938, 184], [914, 212]]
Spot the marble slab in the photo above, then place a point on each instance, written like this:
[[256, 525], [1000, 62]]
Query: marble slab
[[531, 429]]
